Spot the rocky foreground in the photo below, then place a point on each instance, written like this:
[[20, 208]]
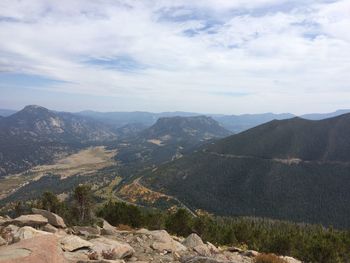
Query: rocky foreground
[[43, 237]]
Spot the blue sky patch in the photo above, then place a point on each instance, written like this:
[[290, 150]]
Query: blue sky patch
[[25, 80], [123, 63]]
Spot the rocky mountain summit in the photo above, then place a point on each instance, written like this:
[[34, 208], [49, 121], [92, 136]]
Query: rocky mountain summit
[[36, 123], [44, 237]]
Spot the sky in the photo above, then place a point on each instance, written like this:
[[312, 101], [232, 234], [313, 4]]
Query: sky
[[208, 56]]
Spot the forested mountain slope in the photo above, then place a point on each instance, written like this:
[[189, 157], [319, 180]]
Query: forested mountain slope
[[292, 169]]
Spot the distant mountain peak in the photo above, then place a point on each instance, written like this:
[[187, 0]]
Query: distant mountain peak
[[191, 127], [42, 124], [32, 112], [34, 108]]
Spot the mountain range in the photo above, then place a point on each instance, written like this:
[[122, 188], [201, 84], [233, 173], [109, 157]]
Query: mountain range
[[120, 119], [234, 123], [293, 169], [36, 135]]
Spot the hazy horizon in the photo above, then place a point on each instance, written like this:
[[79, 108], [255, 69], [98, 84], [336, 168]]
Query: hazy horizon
[[224, 57], [158, 112]]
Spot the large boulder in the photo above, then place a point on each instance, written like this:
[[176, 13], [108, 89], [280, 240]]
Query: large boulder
[[53, 219], [192, 241], [40, 249], [30, 220], [117, 249], [71, 243], [164, 242], [28, 232]]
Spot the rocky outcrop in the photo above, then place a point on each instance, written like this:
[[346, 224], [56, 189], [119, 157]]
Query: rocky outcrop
[[52, 218], [46, 243]]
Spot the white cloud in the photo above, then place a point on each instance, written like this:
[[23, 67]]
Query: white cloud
[[283, 56]]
